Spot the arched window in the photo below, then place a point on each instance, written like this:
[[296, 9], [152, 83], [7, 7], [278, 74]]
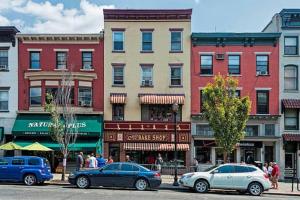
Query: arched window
[[291, 77]]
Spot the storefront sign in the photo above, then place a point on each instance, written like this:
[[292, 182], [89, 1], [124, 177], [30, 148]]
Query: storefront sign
[[143, 137], [250, 144], [49, 124]]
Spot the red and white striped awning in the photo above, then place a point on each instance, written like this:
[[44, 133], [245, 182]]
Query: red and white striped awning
[[118, 98], [161, 98], [155, 147]]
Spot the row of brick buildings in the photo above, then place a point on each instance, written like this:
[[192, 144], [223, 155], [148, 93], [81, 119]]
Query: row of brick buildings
[[126, 78]]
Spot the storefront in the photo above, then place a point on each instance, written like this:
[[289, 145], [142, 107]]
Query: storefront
[[291, 148], [30, 128], [144, 141]]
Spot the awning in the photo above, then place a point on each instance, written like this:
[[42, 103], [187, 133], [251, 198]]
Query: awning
[[291, 137], [291, 103], [38, 124], [161, 98], [118, 98], [155, 147], [79, 145]]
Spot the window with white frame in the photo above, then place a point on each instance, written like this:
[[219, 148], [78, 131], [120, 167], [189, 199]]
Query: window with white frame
[[146, 40], [3, 100], [290, 77], [234, 64], [3, 59], [176, 40], [291, 45], [85, 96], [35, 96], [291, 119], [262, 64], [118, 40], [206, 64], [118, 75], [176, 76], [87, 58], [147, 74], [61, 60]]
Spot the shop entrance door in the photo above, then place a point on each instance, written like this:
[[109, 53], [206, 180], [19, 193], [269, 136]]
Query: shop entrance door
[[289, 164], [114, 151], [250, 156]]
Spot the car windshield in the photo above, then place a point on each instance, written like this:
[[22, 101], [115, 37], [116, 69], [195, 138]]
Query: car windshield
[[144, 169], [210, 168]]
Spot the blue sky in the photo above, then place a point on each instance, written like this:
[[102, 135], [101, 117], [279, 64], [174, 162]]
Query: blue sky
[[75, 16]]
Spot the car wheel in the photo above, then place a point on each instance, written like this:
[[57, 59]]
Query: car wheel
[[83, 182], [29, 179], [201, 186], [141, 184], [255, 189]]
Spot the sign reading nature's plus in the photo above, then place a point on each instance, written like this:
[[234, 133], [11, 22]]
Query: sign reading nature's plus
[[48, 124]]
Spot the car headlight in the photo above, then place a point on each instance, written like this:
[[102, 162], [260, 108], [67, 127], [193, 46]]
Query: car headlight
[[188, 175], [71, 174]]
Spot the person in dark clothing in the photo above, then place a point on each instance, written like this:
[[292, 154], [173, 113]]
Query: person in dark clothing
[[79, 161]]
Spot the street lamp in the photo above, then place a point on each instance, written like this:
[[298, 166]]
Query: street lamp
[[175, 110]]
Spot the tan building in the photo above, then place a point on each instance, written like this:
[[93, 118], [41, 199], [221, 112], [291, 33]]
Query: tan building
[[147, 69]]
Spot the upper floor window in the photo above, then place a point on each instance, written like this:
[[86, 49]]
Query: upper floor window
[[262, 64], [291, 119], [290, 45], [269, 129], [176, 40], [3, 100], [234, 66], [176, 76], [147, 74], [35, 60], [118, 75], [118, 112], [204, 130], [3, 60], [54, 91], [87, 58], [159, 112], [118, 40], [290, 77], [61, 60], [262, 101], [251, 130], [85, 96], [206, 64], [147, 41], [35, 96]]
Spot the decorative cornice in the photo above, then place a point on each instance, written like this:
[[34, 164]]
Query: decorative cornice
[[7, 34], [147, 14]]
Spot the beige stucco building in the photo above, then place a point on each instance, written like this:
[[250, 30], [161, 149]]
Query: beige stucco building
[[146, 70]]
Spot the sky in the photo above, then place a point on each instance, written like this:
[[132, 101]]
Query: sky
[[86, 16]]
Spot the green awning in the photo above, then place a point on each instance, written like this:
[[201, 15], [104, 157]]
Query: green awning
[[38, 124], [79, 145]]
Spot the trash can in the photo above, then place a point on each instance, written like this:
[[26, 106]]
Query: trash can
[[258, 164]]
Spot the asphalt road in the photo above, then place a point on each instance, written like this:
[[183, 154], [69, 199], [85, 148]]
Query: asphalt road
[[55, 192]]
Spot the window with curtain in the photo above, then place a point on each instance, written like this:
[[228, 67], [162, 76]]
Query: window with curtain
[[206, 64], [290, 77]]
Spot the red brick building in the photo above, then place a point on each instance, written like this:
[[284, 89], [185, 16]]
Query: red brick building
[[252, 58], [42, 60]]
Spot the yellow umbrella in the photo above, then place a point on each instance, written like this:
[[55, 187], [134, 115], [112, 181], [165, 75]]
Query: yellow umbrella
[[10, 146], [36, 147]]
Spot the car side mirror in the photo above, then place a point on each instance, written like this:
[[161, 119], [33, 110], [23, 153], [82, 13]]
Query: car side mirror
[[215, 171]]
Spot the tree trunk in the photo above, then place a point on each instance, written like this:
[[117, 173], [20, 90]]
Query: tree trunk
[[64, 167], [225, 156]]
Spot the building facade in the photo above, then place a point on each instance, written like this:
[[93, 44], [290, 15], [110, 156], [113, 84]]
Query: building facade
[[252, 58], [43, 61], [147, 70], [8, 81], [287, 22]]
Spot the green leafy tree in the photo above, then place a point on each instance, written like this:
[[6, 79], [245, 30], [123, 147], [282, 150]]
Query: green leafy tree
[[226, 113], [63, 128]]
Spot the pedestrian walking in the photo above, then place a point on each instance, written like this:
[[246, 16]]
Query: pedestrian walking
[[265, 168], [275, 175], [110, 160], [158, 162], [92, 161], [195, 164], [79, 161], [100, 161], [270, 169]]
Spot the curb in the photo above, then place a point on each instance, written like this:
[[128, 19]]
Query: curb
[[283, 194]]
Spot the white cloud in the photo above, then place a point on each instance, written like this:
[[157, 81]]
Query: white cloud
[[55, 18], [4, 21], [8, 4]]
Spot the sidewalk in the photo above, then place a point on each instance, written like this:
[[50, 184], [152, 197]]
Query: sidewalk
[[167, 181]]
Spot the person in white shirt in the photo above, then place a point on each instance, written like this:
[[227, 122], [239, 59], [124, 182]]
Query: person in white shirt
[[265, 168], [270, 169], [93, 162]]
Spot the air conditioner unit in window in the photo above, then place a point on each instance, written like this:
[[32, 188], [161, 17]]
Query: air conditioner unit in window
[[147, 83], [220, 56], [3, 67], [85, 103], [262, 73]]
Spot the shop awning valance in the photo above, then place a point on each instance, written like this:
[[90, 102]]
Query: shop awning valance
[[291, 137], [155, 147], [118, 98], [38, 124], [291, 103], [161, 98]]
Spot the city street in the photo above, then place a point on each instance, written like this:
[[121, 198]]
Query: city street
[[12, 191]]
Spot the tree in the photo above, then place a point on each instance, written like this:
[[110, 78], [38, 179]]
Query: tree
[[226, 112], [63, 127]]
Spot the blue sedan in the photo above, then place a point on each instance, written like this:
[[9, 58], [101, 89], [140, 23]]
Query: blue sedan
[[127, 175]]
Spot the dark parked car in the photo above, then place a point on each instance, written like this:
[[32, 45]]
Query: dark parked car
[[28, 169], [127, 175]]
